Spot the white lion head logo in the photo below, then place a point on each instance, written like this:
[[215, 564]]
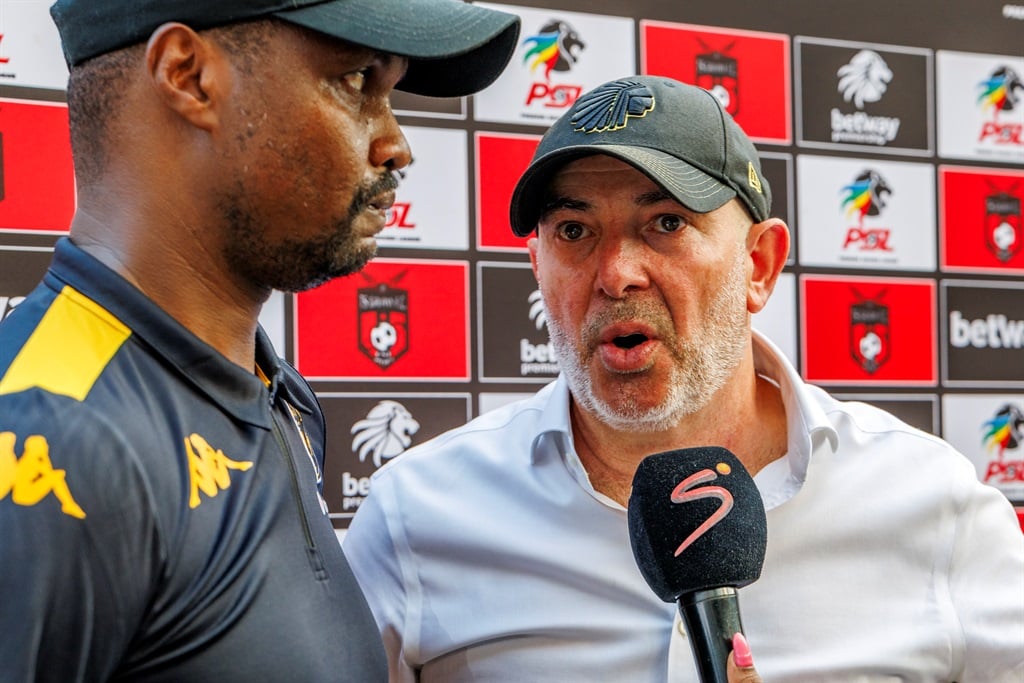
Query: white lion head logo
[[386, 431], [537, 309], [864, 79]]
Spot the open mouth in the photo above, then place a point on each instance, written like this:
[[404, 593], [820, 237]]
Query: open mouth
[[629, 341]]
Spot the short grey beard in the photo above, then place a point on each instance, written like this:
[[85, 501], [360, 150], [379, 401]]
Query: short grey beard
[[702, 365]]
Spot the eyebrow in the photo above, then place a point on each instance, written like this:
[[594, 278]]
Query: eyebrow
[[564, 202], [653, 197]]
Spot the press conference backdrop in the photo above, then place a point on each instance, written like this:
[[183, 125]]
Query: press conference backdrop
[[892, 135]]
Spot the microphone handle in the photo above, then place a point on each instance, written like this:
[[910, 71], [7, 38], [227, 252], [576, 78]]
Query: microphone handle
[[712, 617]]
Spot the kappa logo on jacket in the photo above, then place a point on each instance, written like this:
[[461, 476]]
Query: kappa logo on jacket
[[30, 478], [209, 469]]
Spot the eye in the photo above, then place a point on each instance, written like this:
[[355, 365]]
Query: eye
[[571, 231], [669, 222], [356, 80]]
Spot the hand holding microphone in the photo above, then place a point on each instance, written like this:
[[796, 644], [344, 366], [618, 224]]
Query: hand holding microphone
[[698, 531]]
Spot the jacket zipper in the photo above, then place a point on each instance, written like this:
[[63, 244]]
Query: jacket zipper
[[312, 552]]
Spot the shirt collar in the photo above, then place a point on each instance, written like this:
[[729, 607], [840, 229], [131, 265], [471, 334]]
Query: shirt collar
[[553, 432], [807, 425], [240, 393]]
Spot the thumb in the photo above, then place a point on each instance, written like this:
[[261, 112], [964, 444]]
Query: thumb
[[740, 667]]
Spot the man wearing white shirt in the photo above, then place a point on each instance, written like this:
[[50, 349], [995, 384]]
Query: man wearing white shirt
[[500, 550]]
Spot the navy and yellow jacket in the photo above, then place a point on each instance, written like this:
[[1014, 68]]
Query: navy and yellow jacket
[[160, 518]]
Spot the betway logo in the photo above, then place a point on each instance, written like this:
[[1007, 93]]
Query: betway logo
[[1013, 11], [993, 331], [860, 128]]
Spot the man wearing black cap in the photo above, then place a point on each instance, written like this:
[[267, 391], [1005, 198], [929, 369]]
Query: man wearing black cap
[[160, 508], [501, 550]]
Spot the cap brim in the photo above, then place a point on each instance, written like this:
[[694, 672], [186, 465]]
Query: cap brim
[[688, 185], [454, 48]]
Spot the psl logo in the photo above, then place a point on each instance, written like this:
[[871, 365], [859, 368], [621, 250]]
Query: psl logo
[[1000, 92], [1005, 431], [718, 73], [383, 322], [864, 79], [869, 333], [398, 216], [867, 195], [1003, 235], [385, 432], [555, 47]]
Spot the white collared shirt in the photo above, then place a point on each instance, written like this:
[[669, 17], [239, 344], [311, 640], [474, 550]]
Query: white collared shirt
[[486, 555]]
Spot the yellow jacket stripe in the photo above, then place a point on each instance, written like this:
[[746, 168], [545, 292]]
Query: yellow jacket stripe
[[68, 350]]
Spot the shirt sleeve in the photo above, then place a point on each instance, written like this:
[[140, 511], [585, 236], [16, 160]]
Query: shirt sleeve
[[987, 586], [78, 544], [370, 545]]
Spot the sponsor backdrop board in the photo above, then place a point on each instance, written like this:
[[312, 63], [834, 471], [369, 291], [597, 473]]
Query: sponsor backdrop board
[[986, 428], [866, 213], [748, 71], [859, 96], [893, 140], [980, 112], [560, 56], [433, 209]]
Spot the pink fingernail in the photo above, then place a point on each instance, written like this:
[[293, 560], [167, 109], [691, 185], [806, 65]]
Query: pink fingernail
[[741, 652]]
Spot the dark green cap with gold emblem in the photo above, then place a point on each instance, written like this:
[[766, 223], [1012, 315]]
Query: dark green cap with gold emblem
[[676, 134]]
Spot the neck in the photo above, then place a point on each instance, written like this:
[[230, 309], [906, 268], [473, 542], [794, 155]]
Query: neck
[[181, 277]]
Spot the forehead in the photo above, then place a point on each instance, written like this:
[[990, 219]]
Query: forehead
[[599, 168], [323, 48]]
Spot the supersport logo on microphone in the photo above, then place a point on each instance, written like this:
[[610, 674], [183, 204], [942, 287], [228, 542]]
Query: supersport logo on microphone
[[685, 492]]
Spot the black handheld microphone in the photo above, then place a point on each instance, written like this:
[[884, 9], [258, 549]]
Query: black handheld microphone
[[698, 530]]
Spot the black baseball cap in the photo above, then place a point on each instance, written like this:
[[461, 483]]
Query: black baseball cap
[[676, 134], [454, 48]]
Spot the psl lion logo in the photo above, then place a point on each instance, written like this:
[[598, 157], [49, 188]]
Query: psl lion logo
[[556, 46], [999, 92], [864, 79], [867, 195], [385, 432], [1005, 430]]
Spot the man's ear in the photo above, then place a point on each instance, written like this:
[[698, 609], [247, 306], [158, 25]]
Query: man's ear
[[768, 244], [185, 67], [531, 244]]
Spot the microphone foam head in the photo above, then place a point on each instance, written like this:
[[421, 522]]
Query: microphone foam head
[[696, 521]]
